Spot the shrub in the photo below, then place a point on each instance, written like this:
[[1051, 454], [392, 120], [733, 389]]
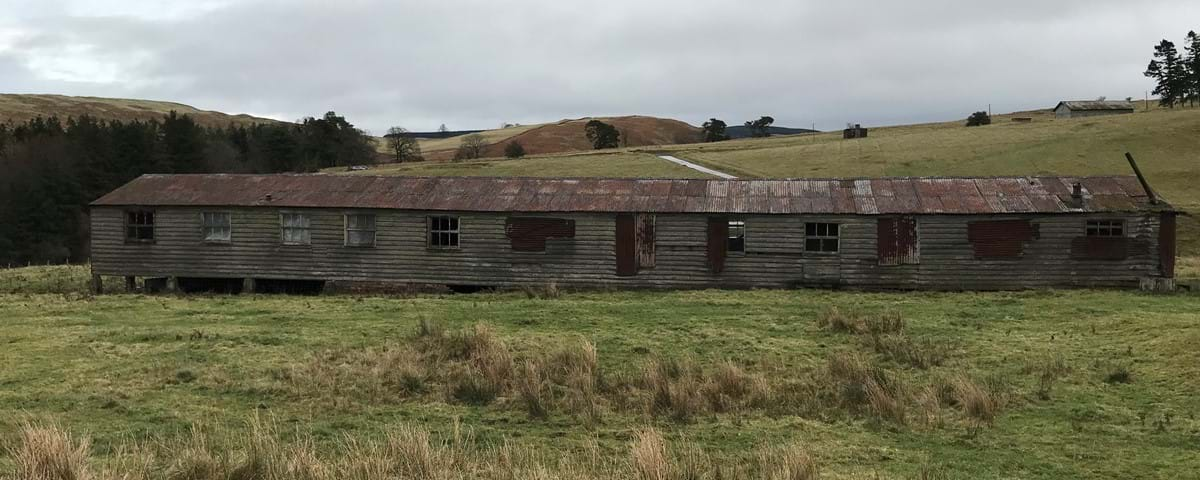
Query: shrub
[[514, 149], [978, 119]]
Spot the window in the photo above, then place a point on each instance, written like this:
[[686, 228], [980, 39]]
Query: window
[[216, 226], [294, 228], [139, 226], [443, 232], [1105, 228], [821, 237], [360, 230], [737, 236]]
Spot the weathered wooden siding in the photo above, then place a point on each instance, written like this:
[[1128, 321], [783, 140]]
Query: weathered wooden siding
[[774, 254]]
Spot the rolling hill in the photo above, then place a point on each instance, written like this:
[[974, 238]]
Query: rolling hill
[[568, 136], [21, 107]]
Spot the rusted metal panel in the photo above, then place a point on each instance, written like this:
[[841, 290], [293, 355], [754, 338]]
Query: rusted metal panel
[[794, 196], [1100, 248], [1166, 244], [529, 234], [718, 235], [644, 226], [897, 241], [999, 238], [626, 245]]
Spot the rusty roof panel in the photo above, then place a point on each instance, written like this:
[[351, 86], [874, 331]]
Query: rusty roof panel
[[794, 196]]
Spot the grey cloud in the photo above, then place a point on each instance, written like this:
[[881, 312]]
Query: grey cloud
[[476, 64]]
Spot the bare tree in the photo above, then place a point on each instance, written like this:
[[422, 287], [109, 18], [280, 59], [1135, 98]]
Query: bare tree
[[471, 147], [404, 147]]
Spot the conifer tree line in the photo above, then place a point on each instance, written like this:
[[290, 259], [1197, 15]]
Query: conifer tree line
[[52, 168], [1176, 75]]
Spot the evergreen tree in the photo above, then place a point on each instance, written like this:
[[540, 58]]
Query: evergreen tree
[[602, 135], [1192, 67], [714, 130], [760, 127], [1169, 73], [978, 119]]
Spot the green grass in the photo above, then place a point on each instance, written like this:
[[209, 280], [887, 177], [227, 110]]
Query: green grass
[[133, 368], [599, 164]]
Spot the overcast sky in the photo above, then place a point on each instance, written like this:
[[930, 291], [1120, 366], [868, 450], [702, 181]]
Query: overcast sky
[[476, 64]]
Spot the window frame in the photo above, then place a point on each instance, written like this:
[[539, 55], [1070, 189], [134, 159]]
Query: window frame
[[205, 226], [126, 226], [1104, 228], [307, 229], [836, 237], [346, 230], [730, 225], [453, 233]]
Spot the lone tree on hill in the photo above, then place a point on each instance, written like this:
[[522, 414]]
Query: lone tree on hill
[[514, 149], [602, 135], [471, 147], [979, 118], [714, 130], [760, 127], [404, 147], [443, 131], [1170, 74]]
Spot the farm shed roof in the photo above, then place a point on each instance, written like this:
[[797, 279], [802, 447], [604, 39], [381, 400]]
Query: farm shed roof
[[1081, 105], [867, 196]]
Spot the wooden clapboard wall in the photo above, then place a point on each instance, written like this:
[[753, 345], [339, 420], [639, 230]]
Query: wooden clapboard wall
[[678, 255]]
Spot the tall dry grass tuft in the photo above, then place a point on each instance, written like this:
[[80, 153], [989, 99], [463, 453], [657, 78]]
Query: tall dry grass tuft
[[649, 451], [887, 322], [790, 462], [48, 452], [902, 349], [833, 319], [675, 387], [533, 389], [977, 402], [886, 403], [546, 291]]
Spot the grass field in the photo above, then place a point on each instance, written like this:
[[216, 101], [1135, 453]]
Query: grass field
[[1166, 144], [20, 107], [1045, 384], [589, 164]]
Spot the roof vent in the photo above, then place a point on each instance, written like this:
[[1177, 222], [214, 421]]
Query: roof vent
[[1077, 195], [268, 197]]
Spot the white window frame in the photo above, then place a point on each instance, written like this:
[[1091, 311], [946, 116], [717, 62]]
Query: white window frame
[[347, 230], [452, 233], [730, 225], [836, 237], [207, 226], [306, 228]]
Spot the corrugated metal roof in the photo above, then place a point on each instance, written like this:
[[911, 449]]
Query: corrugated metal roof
[[908, 195], [1078, 105]]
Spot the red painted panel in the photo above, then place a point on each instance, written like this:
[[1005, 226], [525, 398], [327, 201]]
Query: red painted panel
[[626, 246], [897, 241], [1166, 244], [718, 234], [999, 238]]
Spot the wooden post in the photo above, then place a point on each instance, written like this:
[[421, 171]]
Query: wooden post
[[172, 284], [248, 285], [97, 284], [329, 288], [130, 284]]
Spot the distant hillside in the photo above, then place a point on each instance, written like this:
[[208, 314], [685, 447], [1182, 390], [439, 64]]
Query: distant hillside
[[568, 136], [740, 131], [20, 107]]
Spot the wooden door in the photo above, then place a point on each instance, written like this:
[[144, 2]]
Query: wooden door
[[626, 245]]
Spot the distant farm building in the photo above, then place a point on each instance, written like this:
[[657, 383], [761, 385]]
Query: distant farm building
[[1092, 108], [854, 131], [276, 232]]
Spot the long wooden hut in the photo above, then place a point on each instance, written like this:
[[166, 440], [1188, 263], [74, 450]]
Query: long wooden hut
[[274, 231]]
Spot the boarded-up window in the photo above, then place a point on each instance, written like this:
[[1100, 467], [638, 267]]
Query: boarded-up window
[[897, 241], [1102, 240], [1000, 238], [529, 234], [645, 240], [718, 237], [626, 246], [294, 229]]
